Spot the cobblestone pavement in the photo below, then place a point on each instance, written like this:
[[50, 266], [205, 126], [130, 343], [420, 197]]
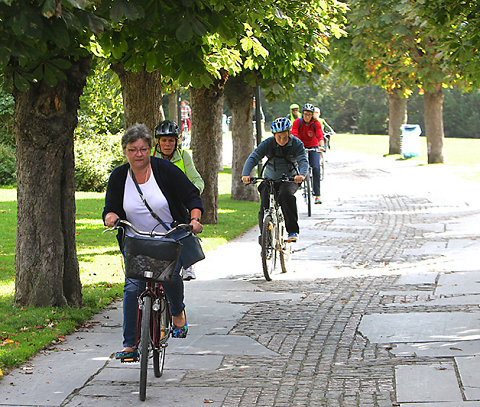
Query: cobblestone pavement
[[391, 253]]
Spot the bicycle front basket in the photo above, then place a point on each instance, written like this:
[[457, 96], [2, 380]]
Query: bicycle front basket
[[151, 259]]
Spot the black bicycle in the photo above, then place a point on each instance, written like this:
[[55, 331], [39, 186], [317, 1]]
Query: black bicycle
[[154, 321], [273, 238]]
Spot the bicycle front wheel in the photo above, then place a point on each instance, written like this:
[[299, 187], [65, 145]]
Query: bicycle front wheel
[[286, 249], [269, 254], [322, 166], [308, 192], [144, 344], [163, 334]]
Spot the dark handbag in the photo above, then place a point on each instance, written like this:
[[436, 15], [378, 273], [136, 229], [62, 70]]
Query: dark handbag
[[192, 251], [151, 259]]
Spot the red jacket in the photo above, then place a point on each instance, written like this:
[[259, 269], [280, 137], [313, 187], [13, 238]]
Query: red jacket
[[310, 134]]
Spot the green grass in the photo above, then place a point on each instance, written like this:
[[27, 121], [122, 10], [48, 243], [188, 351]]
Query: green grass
[[460, 154], [26, 330]]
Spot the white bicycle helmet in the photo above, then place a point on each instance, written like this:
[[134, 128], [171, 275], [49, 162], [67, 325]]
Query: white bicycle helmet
[[308, 107], [280, 124]]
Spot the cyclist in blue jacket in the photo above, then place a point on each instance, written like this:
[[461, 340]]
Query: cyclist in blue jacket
[[286, 156]]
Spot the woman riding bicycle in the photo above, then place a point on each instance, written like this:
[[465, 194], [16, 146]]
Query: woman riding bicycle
[[168, 135], [311, 134], [171, 195], [286, 157]]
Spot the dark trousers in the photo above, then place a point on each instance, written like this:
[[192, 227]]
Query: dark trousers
[[314, 161], [285, 195]]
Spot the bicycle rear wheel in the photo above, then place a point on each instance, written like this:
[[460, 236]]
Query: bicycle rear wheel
[[144, 344], [163, 332], [269, 254]]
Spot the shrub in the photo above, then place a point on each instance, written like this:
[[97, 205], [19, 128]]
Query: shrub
[[95, 158], [8, 174]]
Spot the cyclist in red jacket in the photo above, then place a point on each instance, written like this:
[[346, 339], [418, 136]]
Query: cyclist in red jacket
[[310, 133]]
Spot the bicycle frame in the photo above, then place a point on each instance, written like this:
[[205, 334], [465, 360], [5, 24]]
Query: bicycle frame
[[273, 231], [158, 337]]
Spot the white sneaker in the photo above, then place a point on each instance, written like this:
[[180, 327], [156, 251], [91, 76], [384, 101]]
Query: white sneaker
[[188, 274]]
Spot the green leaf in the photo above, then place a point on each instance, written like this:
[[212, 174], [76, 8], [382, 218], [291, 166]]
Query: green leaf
[[184, 32], [61, 63], [49, 8], [60, 35], [52, 75], [21, 83]]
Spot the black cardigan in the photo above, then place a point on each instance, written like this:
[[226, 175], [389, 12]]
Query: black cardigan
[[182, 196]]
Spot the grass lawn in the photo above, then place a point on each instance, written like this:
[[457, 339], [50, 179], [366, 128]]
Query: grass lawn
[[463, 155], [26, 330]]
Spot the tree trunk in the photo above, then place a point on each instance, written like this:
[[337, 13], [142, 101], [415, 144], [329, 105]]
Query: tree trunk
[[142, 96], [239, 96], [397, 117], [207, 108], [46, 264], [172, 107], [433, 112]]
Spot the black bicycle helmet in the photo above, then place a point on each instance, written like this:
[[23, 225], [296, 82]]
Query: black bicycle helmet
[[166, 128]]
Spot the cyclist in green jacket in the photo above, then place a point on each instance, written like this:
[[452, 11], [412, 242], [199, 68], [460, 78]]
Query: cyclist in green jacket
[[294, 113], [167, 135]]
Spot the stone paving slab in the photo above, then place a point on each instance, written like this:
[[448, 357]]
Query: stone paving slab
[[443, 301], [421, 327], [110, 395], [469, 370], [437, 349], [436, 382], [459, 283], [415, 278], [443, 404]]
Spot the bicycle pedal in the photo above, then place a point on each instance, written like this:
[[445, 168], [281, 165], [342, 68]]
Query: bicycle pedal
[[129, 360]]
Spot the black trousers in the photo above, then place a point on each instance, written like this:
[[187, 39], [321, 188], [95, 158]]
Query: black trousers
[[285, 196]]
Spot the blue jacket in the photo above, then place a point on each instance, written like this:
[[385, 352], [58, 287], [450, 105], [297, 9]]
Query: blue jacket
[[282, 160]]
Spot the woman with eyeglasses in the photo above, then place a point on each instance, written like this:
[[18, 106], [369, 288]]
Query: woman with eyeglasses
[[172, 197]]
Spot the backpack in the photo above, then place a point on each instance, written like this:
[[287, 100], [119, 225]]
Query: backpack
[[301, 124]]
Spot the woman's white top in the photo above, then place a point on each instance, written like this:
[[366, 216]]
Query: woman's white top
[[137, 212]]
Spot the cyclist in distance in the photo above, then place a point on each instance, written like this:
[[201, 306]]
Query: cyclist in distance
[[294, 113], [326, 128], [167, 135], [185, 113], [286, 157], [171, 195], [311, 135]]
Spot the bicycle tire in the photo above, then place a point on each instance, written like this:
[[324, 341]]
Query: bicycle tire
[[163, 332], [322, 166], [269, 253], [144, 344], [308, 185], [286, 250]]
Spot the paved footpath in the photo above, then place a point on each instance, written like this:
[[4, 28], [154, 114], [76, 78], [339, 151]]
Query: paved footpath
[[380, 307]]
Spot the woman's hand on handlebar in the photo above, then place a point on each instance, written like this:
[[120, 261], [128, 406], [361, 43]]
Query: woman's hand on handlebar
[[110, 219], [246, 179], [197, 227], [299, 178]]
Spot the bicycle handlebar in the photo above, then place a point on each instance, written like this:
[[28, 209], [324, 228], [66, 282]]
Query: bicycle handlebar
[[253, 180], [120, 223]]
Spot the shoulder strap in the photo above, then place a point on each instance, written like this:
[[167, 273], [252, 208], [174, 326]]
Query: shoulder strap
[[154, 215]]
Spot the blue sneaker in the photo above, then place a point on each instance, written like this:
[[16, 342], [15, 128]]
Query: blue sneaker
[[292, 237], [125, 356]]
